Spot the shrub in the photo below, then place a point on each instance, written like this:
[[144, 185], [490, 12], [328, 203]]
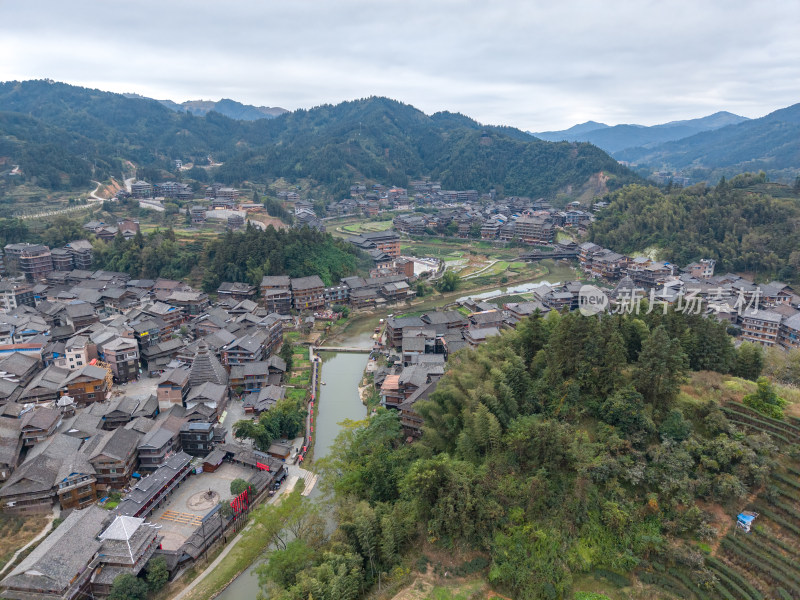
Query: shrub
[[765, 400]]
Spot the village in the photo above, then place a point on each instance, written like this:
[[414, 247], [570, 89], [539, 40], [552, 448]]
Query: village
[[119, 395]]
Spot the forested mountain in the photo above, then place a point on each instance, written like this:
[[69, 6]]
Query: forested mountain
[[374, 139], [770, 143], [738, 223], [566, 452], [619, 137], [52, 157]]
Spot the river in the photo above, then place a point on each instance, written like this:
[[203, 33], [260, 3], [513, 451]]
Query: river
[[338, 400]]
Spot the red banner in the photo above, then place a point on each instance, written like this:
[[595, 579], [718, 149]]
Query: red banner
[[240, 503], [262, 466]]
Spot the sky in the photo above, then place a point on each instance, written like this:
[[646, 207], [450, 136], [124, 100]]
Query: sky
[[537, 65]]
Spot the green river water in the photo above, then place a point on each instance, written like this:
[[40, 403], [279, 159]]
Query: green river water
[[338, 400]]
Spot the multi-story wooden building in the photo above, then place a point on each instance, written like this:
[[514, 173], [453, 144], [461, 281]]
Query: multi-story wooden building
[[173, 387], [90, 384], [114, 458], [276, 294], [385, 241], [308, 293], [789, 333], [534, 230], [760, 327]]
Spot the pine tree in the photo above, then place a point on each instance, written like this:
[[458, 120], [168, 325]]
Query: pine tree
[[749, 361], [661, 368]]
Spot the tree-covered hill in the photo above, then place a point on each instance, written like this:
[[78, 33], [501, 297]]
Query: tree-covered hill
[[245, 256], [49, 156], [738, 223], [570, 449], [374, 139]]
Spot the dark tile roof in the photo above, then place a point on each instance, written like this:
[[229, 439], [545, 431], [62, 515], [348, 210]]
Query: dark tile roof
[[62, 555]]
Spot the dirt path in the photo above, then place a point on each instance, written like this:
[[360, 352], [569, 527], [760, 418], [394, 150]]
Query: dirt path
[[726, 521], [41, 535]]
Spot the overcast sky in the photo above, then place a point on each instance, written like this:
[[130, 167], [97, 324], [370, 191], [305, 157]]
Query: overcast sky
[[536, 64]]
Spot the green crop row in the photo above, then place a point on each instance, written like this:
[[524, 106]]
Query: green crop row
[[665, 582], [788, 548], [790, 481], [687, 581], [733, 581], [779, 491], [789, 509], [763, 549], [756, 425], [766, 566], [786, 427], [615, 578], [773, 516]]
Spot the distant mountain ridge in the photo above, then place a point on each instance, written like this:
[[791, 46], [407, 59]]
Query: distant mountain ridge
[[770, 143], [619, 137], [229, 108], [226, 107]]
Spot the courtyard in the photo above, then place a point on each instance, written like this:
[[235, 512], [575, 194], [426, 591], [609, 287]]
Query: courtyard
[[192, 500]]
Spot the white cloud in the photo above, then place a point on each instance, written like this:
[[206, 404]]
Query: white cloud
[[533, 64]]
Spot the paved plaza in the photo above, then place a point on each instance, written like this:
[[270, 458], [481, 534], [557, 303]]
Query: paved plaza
[[192, 500]]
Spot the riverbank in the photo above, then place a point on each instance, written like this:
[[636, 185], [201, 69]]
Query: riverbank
[[334, 403]]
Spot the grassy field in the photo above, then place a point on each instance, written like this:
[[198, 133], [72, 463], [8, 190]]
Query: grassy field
[[507, 299], [301, 378], [367, 226], [296, 393], [300, 360], [15, 532]]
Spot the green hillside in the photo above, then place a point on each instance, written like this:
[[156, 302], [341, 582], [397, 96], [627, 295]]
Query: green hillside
[[573, 450], [744, 224], [373, 139]]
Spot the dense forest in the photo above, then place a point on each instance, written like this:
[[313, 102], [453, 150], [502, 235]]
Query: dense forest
[[563, 448], [374, 139], [244, 256], [742, 227]]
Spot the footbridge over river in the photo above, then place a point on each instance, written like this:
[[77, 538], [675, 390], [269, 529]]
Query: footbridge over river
[[342, 349]]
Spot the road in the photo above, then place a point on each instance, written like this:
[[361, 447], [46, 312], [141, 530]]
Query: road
[[92, 199], [258, 224]]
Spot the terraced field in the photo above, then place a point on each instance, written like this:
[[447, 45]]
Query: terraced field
[[764, 563]]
